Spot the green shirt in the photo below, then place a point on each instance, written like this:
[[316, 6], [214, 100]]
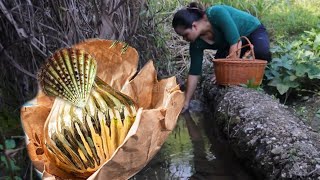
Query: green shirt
[[228, 25]]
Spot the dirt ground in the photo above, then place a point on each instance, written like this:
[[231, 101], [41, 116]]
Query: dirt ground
[[308, 110]]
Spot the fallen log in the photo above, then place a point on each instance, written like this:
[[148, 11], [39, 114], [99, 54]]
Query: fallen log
[[263, 133]]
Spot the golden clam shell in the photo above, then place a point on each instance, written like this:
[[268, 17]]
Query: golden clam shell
[[90, 120], [69, 74], [80, 140]]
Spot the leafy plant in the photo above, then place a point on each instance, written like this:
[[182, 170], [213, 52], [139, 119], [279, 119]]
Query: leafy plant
[[250, 84], [296, 64], [289, 19], [7, 163], [318, 113]]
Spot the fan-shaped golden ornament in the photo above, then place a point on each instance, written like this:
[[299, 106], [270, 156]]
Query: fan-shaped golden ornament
[[69, 74], [90, 120]]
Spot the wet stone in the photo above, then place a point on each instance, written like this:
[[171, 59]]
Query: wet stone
[[277, 150], [283, 137]]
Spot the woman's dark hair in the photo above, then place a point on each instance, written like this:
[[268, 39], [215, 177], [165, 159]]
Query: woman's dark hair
[[186, 16]]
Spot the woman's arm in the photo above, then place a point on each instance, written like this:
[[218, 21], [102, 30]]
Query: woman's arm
[[192, 83], [232, 51], [196, 55]]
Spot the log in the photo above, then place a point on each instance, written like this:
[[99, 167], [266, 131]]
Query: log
[[264, 134]]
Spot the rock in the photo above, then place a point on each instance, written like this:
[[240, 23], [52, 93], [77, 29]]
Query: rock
[[269, 138], [277, 150]]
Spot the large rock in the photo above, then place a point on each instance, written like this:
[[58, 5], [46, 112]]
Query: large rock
[[271, 141]]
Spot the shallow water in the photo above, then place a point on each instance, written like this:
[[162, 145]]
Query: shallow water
[[192, 151]]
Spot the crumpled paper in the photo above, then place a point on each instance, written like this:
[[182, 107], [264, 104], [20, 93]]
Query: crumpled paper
[[160, 103]]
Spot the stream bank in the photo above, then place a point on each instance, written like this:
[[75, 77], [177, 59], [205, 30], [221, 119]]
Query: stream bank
[[263, 133]]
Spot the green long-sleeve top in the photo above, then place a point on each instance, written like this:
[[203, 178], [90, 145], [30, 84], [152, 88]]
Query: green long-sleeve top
[[228, 25]]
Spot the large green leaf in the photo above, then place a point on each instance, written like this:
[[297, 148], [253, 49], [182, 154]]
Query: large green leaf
[[10, 143], [301, 69], [294, 62], [283, 85], [316, 42], [314, 72], [282, 88]]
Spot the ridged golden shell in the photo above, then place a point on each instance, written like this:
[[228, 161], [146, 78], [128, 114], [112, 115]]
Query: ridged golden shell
[[80, 140], [69, 74]]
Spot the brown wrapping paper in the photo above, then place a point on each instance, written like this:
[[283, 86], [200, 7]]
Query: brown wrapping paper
[[160, 103]]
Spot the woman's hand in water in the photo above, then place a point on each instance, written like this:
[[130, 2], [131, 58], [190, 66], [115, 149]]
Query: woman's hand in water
[[185, 108]]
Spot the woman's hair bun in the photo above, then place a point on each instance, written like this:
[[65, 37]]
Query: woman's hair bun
[[195, 5]]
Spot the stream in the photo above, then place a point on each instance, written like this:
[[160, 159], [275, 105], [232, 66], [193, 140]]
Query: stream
[[192, 151]]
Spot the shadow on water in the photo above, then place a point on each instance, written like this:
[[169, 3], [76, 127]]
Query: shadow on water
[[194, 151]]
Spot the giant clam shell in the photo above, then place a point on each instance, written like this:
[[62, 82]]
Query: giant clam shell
[[150, 129], [80, 140], [69, 74]]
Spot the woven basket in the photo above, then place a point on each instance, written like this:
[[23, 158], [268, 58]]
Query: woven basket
[[239, 71]]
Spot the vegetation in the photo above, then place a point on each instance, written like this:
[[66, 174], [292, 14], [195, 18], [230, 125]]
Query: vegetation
[[283, 18], [296, 64]]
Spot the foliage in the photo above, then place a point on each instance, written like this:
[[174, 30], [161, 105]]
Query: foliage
[[10, 122], [14, 161], [250, 84], [281, 17], [6, 163], [32, 30], [257, 8], [291, 18], [296, 65], [173, 59], [12, 146], [318, 114]]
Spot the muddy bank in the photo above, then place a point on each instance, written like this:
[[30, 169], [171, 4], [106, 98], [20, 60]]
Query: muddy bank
[[271, 141]]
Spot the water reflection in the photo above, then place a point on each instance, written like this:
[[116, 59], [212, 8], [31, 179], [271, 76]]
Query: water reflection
[[193, 152]]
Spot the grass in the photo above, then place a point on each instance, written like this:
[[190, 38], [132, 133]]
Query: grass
[[291, 19]]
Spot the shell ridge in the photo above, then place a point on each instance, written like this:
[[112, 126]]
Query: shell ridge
[[58, 81], [65, 72], [82, 56], [66, 58], [70, 148], [75, 70]]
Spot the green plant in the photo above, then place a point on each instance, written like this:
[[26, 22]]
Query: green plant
[[289, 20], [318, 113], [257, 8], [296, 64], [14, 161], [7, 163], [250, 84], [281, 17]]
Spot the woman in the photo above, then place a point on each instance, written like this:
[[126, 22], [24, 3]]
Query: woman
[[218, 27]]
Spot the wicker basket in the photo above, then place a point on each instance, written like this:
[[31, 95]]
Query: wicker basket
[[239, 71]]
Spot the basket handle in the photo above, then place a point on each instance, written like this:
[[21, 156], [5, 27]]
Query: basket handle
[[239, 49]]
